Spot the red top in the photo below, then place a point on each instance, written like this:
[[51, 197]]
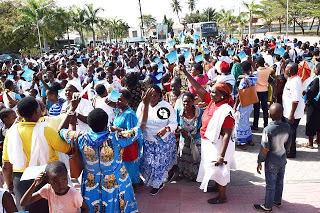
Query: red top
[[208, 113]]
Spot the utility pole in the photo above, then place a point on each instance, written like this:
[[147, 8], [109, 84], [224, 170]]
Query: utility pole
[[287, 18], [141, 19]]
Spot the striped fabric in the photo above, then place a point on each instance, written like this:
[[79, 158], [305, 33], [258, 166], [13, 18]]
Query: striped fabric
[[55, 109]]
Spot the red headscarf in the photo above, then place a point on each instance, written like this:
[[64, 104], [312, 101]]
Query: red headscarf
[[223, 86]]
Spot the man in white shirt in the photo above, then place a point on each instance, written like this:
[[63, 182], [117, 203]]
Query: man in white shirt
[[293, 104], [83, 68], [111, 84]]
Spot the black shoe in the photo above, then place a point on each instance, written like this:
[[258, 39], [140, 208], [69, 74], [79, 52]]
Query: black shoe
[[212, 188], [170, 178], [155, 191], [254, 128], [277, 204], [291, 156], [261, 208]]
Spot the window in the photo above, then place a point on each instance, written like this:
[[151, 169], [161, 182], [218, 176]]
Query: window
[[134, 34]]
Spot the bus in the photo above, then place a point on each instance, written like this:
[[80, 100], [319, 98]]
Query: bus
[[205, 29]]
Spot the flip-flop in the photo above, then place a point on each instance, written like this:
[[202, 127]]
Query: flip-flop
[[217, 200]]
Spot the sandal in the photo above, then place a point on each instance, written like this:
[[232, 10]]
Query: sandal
[[316, 142], [244, 147], [250, 143], [306, 145], [218, 200]]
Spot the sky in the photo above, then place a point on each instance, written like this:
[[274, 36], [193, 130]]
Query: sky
[[128, 10]]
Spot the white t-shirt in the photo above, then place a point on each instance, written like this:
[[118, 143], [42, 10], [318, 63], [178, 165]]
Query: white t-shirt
[[82, 70], [114, 86], [84, 108], [292, 92], [155, 123], [100, 103], [268, 59]]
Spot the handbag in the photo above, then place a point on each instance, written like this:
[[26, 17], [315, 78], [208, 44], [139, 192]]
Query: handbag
[[248, 95], [75, 159]]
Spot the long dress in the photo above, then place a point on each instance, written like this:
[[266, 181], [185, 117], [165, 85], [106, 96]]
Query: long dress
[[188, 166], [127, 120], [105, 185], [243, 128], [214, 118], [159, 154]]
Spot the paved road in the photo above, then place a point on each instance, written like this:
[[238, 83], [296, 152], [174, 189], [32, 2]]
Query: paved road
[[301, 190]]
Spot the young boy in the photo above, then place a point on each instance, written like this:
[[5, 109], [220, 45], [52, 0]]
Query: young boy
[[61, 197], [18, 155], [275, 143]]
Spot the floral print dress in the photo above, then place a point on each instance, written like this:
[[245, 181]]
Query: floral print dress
[[106, 185]]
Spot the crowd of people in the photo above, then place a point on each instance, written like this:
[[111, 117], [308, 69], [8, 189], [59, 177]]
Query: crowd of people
[[146, 114]]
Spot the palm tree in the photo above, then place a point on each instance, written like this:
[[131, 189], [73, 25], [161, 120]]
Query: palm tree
[[37, 15], [65, 20], [226, 19], [78, 19], [92, 19], [176, 7], [252, 10], [149, 21], [192, 5], [210, 14], [242, 21]]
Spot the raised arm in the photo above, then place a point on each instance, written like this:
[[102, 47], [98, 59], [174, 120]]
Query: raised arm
[[145, 108], [197, 87]]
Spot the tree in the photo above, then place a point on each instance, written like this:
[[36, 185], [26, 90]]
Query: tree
[[176, 7], [92, 19], [168, 22], [78, 21], [40, 15], [149, 21], [192, 5], [242, 21], [226, 19], [193, 17], [209, 14], [11, 38], [253, 9], [65, 21]]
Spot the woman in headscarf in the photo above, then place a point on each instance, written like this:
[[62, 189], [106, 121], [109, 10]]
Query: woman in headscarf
[[217, 132]]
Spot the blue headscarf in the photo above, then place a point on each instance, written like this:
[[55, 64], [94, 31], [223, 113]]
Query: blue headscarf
[[95, 139]]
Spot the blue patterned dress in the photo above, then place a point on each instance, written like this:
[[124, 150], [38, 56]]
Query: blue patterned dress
[[243, 128], [127, 120], [105, 185]]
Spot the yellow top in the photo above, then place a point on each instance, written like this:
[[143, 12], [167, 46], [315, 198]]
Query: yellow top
[[53, 138]]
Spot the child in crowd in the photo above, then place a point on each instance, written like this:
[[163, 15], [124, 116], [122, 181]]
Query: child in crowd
[[275, 143], [8, 117], [61, 197], [7, 204]]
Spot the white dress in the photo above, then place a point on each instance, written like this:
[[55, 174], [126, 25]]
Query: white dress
[[211, 148]]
